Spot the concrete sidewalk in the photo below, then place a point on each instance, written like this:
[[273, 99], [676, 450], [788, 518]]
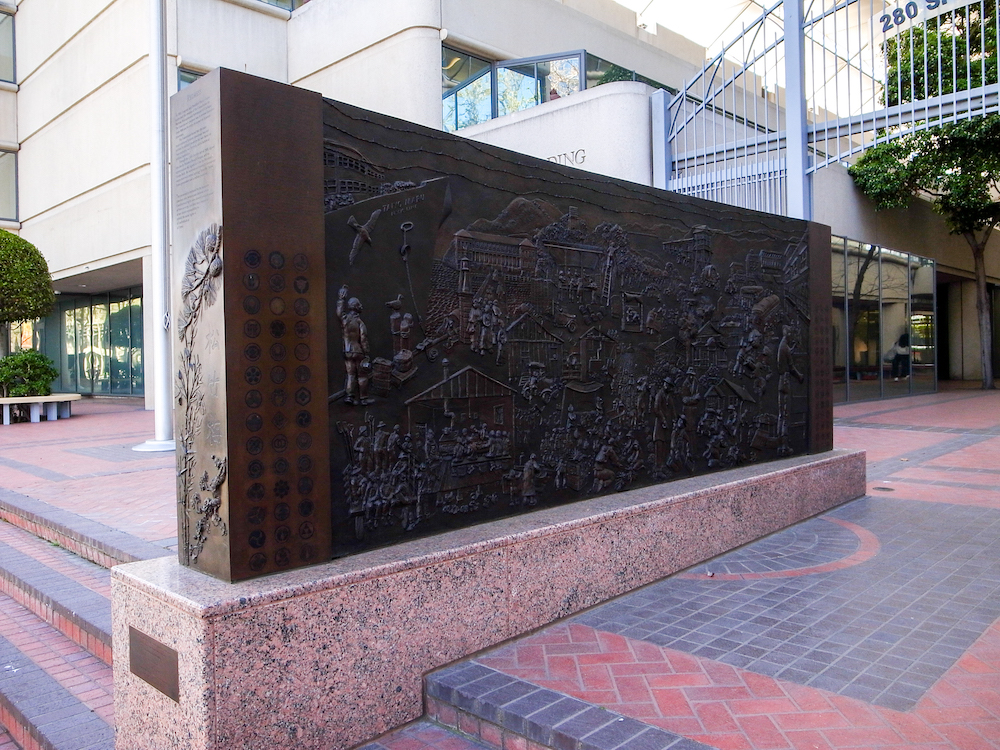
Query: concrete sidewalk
[[875, 625]]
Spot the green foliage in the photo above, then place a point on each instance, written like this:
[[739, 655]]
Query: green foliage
[[616, 73], [925, 62], [957, 165], [25, 285], [27, 373]]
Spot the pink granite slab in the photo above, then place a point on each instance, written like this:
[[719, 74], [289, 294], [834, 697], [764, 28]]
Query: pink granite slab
[[330, 656]]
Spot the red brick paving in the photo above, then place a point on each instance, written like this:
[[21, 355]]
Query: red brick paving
[[91, 575], [6, 741], [135, 496], [731, 708], [968, 410], [980, 456], [883, 444], [80, 672]]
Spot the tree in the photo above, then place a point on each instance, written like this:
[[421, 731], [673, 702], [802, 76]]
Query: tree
[[958, 167], [25, 285], [954, 51]]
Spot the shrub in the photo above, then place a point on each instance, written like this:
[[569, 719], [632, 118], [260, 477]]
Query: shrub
[[27, 373], [25, 285]]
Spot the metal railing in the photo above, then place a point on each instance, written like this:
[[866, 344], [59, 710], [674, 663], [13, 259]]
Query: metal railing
[[869, 70]]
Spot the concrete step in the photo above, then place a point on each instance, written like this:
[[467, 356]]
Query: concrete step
[[422, 735], [54, 695], [67, 592], [89, 539], [504, 711]]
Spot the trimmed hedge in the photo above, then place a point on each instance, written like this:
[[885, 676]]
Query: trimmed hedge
[[27, 373], [25, 284]]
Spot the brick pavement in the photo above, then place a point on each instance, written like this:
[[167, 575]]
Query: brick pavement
[[873, 626], [85, 465]]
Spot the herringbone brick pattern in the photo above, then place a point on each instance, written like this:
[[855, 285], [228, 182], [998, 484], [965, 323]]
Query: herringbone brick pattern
[[734, 709]]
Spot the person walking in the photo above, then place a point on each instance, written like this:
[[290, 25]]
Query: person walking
[[901, 361]]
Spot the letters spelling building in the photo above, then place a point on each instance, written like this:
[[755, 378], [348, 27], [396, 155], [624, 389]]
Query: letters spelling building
[[572, 81]]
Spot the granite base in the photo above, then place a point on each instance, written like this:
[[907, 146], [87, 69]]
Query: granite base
[[330, 656]]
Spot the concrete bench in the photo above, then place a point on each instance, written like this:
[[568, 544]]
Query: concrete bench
[[57, 405]]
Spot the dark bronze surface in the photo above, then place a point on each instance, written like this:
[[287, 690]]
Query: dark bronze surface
[[253, 468], [154, 662], [473, 334], [506, 333]]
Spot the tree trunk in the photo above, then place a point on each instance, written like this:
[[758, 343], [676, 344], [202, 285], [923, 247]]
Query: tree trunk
[[983, 311], [854, 306]]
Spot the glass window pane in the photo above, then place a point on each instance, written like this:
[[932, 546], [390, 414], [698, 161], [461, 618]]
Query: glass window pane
[[517, 89], [8, 186], [7, 48], [100, 360], [186, 77], [600, 71], [136, 338], [923, 344], [558, 78], [466, 95], [863, 322], [51, 341], [839, 321], [82, 355], [895, 320], [120, 332]]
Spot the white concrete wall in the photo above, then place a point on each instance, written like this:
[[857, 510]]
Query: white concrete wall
[[398, 76], [382, 55], [213, 33], [604, 130]]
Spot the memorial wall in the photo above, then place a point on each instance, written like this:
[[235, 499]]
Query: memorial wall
[[385, 331]]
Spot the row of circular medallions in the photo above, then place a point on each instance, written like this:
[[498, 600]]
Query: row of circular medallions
[[284, 528]]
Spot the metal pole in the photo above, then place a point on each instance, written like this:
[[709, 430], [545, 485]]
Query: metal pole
[[163, 424], [796, 155], [662, 156]]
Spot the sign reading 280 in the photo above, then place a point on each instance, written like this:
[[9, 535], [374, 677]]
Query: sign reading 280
[[900, 15]]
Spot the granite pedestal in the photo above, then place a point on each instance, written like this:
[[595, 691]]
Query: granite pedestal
[[332, 655]]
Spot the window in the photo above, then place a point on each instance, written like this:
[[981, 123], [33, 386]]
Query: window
[[7, 48], [880, 295], [286, 4], [466, 89], [8, 186], [600, 71], [186, 77], [474, 90], [525, 84], [96, 342]]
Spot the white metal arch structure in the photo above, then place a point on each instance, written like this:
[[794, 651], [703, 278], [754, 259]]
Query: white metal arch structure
[[802, 88]]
